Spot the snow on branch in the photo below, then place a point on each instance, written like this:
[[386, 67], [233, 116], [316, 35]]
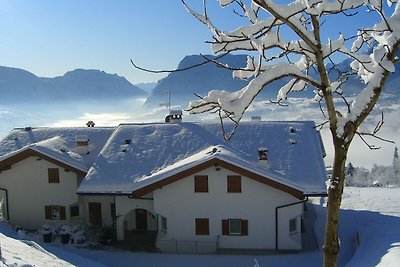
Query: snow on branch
[[294, 55]]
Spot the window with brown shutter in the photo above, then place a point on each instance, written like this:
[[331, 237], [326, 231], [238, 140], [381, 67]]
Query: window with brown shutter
[[234, 184], [235, 227], [202, 226], [201, 183], [54, 175], [55, 212]]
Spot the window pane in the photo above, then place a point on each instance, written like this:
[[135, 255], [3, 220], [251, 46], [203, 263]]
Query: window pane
[[293, 226], [164, 223], [235, 227]]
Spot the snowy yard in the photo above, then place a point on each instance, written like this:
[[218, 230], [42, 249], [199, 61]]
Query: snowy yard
[[372, 212]]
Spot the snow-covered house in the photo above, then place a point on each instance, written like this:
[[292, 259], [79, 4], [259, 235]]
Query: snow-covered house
[[181, 181], [41, 169]]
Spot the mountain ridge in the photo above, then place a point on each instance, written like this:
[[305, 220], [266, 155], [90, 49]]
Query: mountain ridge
[[21, 85]]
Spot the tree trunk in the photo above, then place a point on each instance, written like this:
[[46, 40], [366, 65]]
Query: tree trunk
[[335, 190]]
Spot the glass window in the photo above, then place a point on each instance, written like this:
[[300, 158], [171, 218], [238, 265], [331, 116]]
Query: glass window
[[235, 227], [163, 223], [293, 226]]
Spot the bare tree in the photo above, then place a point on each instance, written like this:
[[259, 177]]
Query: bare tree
[[272, 57]]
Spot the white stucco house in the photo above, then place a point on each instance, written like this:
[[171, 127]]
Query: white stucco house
[[180, 181]]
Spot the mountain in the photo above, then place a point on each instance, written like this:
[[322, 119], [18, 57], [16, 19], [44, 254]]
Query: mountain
[[18, 85], [200, 80], [146, 86]]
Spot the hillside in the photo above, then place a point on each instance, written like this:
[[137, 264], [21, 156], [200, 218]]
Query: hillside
[[17, 85]]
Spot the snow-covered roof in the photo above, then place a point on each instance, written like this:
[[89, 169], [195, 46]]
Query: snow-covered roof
[[56, 143], [157, 151]]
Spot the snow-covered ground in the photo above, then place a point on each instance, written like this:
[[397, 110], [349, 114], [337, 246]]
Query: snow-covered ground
[[369, 234]]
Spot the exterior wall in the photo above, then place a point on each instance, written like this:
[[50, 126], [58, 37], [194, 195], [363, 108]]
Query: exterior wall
[[125, 208], [256, 203], [29, 192]]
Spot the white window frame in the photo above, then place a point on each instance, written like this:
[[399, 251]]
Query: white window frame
[[239, 221]]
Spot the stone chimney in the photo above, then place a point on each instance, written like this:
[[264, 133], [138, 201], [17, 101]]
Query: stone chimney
[[263, 157], [174, 116], [82, 145]]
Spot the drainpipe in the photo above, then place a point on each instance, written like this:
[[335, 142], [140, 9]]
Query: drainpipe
[[8, 210], [276, 217]]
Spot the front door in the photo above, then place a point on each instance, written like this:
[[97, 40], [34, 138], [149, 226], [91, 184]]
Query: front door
[[95, 214], [141, 220]]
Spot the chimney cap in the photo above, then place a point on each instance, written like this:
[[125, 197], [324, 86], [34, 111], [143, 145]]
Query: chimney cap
[[90, 124]]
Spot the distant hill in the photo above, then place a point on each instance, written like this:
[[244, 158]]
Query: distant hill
[[200, 80], [146, 86], [197, 80], [20, 85]]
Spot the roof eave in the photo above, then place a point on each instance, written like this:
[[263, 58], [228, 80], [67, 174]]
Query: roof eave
[[6, 163]]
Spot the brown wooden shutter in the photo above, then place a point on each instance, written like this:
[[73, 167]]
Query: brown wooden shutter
[[63, 215], [244, 227], [48, 212], [202, 226], [234, 184], [201, 183], [54, 175], [225, 227]]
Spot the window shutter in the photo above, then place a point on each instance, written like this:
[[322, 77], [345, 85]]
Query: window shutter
[[202, 226], [62, 213], [47, 212], [54, 175], [201, 183], [225, 227], [245, 227], [234, 184]]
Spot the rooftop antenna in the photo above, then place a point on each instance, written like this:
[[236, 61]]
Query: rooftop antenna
[[168, 104]]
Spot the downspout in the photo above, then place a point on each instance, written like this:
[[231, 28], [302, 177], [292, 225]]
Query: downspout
[[276, 217], [8, 210]]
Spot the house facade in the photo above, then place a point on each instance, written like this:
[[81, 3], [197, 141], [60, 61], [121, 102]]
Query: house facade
[[180, 181]]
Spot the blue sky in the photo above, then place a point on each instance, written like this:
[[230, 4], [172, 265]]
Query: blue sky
[[49, 38]]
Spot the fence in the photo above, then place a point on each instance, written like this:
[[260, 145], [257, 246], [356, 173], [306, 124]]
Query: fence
[[187, 247]]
